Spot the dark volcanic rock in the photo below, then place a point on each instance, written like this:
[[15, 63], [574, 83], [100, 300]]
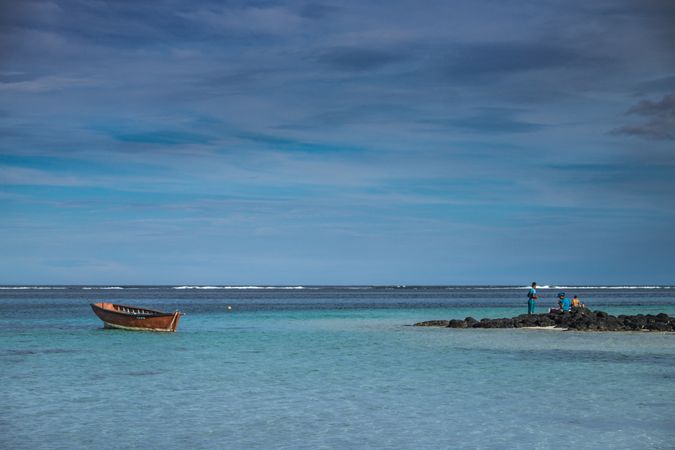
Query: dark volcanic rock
[[580, 319], [533, 320], [497, 323], [432, 323], [470, 321], [457, 324]]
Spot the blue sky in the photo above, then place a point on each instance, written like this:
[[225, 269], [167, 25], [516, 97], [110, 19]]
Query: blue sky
[[365, 142]]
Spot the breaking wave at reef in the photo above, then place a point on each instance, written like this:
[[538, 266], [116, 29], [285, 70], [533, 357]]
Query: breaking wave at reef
[[238, 287], [546, 286], [340, 287], [103, 288], [603, 287], [32, 287]]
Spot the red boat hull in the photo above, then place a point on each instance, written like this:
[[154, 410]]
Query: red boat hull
[[134, 318]]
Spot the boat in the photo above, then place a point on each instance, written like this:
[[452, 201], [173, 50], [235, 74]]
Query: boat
[[134, 318]]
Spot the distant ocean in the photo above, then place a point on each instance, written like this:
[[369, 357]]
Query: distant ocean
[[336, 367]]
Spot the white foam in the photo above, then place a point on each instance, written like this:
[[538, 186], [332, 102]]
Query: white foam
[[238, 287], [33, 287], [495, 288], [107, 287], [546, 286], [611, 287]]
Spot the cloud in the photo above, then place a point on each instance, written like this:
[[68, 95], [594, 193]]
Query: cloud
[[489, 120], [658, 84], [284, 144], [317, 11], [650, 108], [12, 175], [257, 20], [478, 61], [46, 84], [167, 137], [360, 59], [660, 119]]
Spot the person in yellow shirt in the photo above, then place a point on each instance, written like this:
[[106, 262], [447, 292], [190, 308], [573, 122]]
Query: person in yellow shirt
[[576, 303]]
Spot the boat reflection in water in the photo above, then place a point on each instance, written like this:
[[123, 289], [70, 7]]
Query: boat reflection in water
[[134, 318]]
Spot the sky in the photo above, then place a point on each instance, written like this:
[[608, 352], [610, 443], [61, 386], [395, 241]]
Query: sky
[[351, 142]]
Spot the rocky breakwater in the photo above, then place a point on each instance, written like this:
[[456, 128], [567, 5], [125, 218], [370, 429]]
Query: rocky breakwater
[[580, 319]]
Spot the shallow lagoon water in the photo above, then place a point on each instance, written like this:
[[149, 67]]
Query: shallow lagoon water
[[329, 368]]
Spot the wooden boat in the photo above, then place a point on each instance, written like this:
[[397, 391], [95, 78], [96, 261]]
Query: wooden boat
[[134, 318]]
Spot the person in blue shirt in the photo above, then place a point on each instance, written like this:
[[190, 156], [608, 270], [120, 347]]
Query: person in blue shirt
[[564, 302], [531, 297]]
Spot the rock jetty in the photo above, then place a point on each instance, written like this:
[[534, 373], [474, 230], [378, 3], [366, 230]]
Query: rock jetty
[[580, 319]]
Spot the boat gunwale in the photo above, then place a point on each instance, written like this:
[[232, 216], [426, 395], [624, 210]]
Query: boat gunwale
[[142, 311]]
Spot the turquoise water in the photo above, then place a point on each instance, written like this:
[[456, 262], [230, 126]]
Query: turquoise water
[[328, 369]]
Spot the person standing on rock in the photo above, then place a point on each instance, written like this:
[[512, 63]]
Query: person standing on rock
[[564, 302], [531, 297]]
